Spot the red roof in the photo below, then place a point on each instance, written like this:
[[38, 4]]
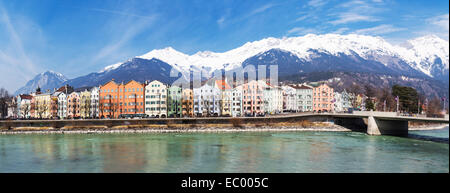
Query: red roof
[[222, 85], [25, 96]]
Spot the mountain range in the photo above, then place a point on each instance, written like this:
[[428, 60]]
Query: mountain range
[[423, 58], [46, 81]]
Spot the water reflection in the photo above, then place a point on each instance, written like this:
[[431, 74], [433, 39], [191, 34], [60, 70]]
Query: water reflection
[[224, 152]]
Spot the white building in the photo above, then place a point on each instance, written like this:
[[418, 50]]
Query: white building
[[273, 100], [304, 98], [236, 104], [289, 99], [207, 101], [156, 99], [95, 97], [62, 105]]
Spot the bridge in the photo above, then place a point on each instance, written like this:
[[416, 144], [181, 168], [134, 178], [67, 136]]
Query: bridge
[[373, 123], [381, 123]]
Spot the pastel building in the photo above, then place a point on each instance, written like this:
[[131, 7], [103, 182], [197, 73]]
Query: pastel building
[[207, 101], [304, 95], [289, 99], [42, 106], [342, 101], [73, 105], [273, 100], [322, 98], [85, 104], [117, 99], [174, 101], [236, 104], [187, 102], [62, 105], [24, 105], [95, 102], [253, 101], [225, 96], [156, 99]]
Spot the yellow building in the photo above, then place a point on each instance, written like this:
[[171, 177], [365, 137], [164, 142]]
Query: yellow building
[[85, 104], [42, 106]]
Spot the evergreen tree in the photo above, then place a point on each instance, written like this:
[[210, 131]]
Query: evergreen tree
[[408, 98]]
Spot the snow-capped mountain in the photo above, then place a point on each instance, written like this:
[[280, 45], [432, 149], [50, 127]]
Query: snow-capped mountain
[[45, 80], [135, 69], [427, 55]]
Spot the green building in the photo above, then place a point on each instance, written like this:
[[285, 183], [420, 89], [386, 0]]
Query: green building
[[174, 102]]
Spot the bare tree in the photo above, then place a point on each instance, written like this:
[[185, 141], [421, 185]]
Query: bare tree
[[41, 109], [25, 109], [434, 108], [386, 100], [4, 97]]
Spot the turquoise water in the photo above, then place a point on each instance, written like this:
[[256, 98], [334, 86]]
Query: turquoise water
[[226, 152]]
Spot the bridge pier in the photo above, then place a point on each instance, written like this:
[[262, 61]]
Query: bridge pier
[[386, 127]]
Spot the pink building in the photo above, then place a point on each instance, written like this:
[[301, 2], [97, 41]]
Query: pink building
[[73, 105], [253, 101], [323, 98]]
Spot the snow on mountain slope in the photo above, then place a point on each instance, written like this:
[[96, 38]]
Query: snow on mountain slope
[[421, 55], [423, 51], [45, 80]]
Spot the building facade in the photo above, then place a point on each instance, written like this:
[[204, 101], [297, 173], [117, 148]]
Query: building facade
[[174, 101], [273, 100], [42, 106], [225, 95], [73, 105], [236, 105], [156, 99], [206, 101], [62, 105], [304, 98], [24, 106], [187, 102], [289, 99], [323, 98], [253, 101], [85, 104], [95, 102]]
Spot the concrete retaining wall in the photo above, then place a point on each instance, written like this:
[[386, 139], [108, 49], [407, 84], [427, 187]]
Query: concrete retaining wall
[[375, 113], [160, 121]]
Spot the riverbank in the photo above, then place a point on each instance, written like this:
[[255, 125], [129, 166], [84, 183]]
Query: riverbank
[[317, 126], [427, 127]]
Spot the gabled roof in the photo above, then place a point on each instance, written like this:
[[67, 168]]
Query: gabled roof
[[301, 87], [26, 96], [132, 81], [222, 85], [112, 80]]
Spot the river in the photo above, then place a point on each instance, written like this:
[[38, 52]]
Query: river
[[303, 152]]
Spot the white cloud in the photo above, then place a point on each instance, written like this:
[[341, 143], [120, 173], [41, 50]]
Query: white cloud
[[261, 9], [379, 30], [301, 31], [316, 3], [221, 20], [353, 17], [125, 30], [15, 62], [440, 21], [340, 30]]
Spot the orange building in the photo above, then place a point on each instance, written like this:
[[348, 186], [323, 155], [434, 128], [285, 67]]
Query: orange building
[[117, 99], [187, 103]]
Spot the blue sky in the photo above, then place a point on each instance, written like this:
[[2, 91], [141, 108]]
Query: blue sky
[[83, 36]]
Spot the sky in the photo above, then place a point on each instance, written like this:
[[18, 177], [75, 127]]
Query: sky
[[82, 36]]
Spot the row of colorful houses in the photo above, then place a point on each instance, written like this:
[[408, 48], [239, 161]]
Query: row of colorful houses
[[156, 99]]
